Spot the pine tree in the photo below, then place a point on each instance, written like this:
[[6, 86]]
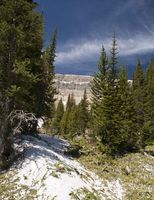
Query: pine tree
[[21, 41], [55, 125], [139, 92], [112, 69], [99, 78], [83, 115], [78, 118], [110, 117], [72, 126], [139, 97], [128, 138], [149, 104], [70, 102], [98, 85], [45, 87], [108, 108], [67, 117]]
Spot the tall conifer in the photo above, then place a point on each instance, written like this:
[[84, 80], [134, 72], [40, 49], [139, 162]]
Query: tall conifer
[[149, 104], [67, 117], [21, 42], [139, 95], [127, 136], [98, 85], [82, 118], [46, 94], [55, 125]]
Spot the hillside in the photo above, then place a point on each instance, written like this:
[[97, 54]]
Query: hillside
[[46, 173], [43, 171]]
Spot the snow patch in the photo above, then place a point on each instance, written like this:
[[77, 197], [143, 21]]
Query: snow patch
[[46, 169]]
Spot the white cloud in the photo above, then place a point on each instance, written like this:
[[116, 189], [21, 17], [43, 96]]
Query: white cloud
[[80, 51], [89, 49], [138, 45]]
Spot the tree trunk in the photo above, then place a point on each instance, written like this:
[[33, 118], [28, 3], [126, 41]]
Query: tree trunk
[[6, 146]]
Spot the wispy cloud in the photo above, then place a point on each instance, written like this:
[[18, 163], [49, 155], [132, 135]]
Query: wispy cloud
[[90, 49], [79, 51], [124, 7]]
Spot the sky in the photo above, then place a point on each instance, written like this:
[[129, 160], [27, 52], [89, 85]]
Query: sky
[[85, 25]]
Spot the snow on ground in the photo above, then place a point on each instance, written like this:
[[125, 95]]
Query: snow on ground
[[40, 123], [45, 169]]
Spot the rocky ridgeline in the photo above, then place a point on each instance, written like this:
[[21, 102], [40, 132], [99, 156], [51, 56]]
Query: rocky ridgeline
[[72, 84]]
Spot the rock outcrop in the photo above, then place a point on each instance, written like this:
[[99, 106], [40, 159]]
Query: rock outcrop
[[72, 84]]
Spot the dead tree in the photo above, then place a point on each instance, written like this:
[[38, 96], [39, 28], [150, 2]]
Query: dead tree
[[17, 122], [22, 123]]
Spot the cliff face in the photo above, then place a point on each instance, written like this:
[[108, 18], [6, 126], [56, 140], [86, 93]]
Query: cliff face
[[72, 84]]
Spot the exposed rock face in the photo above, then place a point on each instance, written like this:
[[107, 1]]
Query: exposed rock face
[[67, 84], [73, 84]]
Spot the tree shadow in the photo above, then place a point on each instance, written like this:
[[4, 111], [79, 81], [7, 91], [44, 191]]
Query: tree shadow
[[42, 146]]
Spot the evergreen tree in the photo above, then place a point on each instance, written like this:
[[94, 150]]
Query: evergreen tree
[[78, 118], [109, 121], [98, 85], [139, 98], [21, 41], [65, 122], [57, 118], [117, 106], [70, 102], [149, 104], [109, 104], [45, 87], [99, 78], [72, 125], [128, 137], [112, 68], [83, 115], [139, 94]]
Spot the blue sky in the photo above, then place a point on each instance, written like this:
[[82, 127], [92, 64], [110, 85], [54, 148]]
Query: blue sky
[[85, 25]]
